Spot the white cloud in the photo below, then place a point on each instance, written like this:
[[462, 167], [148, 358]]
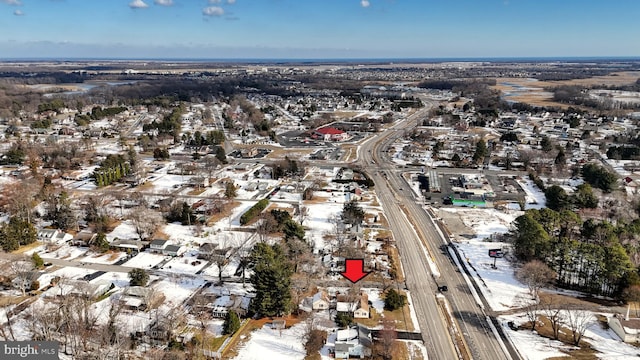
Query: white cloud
[[138, 4], [215, 1], [163, 2], [364, 3], [231, 2], [12, 2], [18, 13], [213, 11]]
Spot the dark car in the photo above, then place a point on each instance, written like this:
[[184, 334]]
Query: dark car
[[443, 288]]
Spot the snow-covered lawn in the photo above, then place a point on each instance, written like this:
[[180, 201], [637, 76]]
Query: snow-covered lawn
[[144, 260], [65, 252], [267, 343], [177, 289], [108, 258], [531, 346], [124, 230], [183, 265], [68, 272]]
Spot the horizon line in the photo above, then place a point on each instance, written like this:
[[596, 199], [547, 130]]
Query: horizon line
[[331, 59]]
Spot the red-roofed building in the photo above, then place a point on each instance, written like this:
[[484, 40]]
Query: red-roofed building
[[331, 134]]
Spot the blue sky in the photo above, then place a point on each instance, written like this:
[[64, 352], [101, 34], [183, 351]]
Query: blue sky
[[318, 28]]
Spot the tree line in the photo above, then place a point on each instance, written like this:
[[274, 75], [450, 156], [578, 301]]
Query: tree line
[[591, 256]]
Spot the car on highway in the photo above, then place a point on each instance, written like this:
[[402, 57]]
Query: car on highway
[[443, 288]]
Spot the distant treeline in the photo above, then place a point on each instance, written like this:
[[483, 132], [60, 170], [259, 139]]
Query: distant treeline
[[451, 84]]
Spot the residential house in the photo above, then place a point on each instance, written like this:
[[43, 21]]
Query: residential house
[[128, 244], [84, 238], [223, 304], [53, 236], [355, 342], [135, 297], [207, 250], [358, 309], [626, 328], [158, 245], [362, 307], [173, 250], [319, 301], [82, 288]]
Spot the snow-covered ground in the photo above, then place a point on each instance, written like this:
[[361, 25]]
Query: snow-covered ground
[[108, 258], [498, 284], [144, 260], [268, 343], [535, 347], [534, 198]]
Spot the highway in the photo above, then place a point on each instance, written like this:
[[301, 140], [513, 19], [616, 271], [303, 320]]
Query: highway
[[402, 211]]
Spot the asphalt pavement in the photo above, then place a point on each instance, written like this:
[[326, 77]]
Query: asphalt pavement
[[470, 316]]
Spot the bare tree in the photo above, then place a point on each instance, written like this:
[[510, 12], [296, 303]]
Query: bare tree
[[531, 308], [313, 338], [220, 258], [578, 321], [535, 274], [145, 221], [552, 309], [22, 272], [386, 344], [244, 258], [21, 198], [303, 214], [266, 225], [6, 329]]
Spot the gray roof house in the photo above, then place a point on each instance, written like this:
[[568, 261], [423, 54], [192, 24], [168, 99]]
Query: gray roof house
[[354, 342]]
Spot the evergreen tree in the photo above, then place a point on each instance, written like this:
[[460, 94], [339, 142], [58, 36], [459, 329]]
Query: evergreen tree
[[599, 177], [584, 197], [221, 155], [546, 144], [393, 300], [138, 277], [231, 323], [557, 198], [343, 320], [531, 240], [230, 190], [481, 152], [352, 213], [37, 260], [292, 229], [101, 242], [271, 280], [16, 233]]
